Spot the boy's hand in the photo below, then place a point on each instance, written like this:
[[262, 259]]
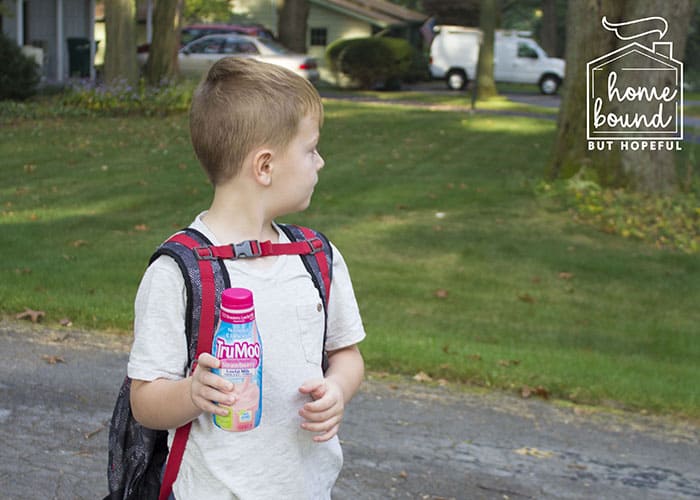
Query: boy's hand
[[207, 389], [323, 415]]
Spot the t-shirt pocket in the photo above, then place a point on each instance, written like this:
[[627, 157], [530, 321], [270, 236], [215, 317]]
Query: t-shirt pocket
[[311, 320]]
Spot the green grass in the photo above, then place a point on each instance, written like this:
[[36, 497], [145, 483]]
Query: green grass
[[444, 99], [456, 263]]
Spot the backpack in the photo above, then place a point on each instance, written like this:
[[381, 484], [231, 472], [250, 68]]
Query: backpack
[[137, 454]]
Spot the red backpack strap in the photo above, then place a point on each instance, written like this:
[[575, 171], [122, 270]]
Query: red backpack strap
[[316, 254], [322, 261], [207, 318], [253, 248], [320, 267]]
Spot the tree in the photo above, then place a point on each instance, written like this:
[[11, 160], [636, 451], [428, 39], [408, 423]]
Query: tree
[[292, 17], [485, 83], [649, 171], [120, 53], [459, 12], [548, 31], [207, 10], [162, 55]]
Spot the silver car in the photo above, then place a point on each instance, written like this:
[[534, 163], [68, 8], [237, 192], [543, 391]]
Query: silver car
[[196, 57]]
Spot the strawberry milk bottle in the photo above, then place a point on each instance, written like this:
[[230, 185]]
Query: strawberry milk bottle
[[237, 344]]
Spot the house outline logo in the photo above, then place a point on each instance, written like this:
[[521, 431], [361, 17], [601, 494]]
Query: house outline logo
[[615, 112]]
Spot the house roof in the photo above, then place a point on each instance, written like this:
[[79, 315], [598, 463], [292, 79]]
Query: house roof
[[378, 12]]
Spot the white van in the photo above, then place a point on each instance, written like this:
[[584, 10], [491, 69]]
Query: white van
[[454, 54]]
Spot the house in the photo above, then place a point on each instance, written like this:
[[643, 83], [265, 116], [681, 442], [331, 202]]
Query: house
[[331, 20], [43, 27], [46, 28], [623, 105]]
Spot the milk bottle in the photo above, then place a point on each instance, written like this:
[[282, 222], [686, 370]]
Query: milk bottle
[[237, 344]]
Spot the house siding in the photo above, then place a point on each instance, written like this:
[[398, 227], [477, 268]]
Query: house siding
[[338, 25], [41, 29]]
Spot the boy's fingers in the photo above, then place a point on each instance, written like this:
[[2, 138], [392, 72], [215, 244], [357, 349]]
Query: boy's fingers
[[326, 436], [318, 416], [318, 406], [315, 388], [208, 361], [209, 394], [211, 380], [213, 408], [321, 426]]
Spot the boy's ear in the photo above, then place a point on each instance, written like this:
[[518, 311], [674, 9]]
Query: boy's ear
[[262, 167]]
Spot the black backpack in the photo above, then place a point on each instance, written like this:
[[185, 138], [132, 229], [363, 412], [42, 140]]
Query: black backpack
[[138, 454]]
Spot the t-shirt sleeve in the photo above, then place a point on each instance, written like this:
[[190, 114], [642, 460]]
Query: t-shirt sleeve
[[160, 345], [344, 321]]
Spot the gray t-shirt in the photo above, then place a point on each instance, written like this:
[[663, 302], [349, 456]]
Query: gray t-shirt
[[278, 459]]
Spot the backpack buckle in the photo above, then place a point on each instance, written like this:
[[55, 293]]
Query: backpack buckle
[[204, 253], [245, 250], [312, 245]]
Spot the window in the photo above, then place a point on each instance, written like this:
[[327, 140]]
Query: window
[[246, 48], [319, 36], [525, 50], [206, 46]]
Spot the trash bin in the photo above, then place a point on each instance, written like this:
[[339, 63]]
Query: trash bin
[[79, 56]]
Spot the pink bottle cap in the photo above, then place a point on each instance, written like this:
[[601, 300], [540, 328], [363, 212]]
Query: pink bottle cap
[[237, 299]]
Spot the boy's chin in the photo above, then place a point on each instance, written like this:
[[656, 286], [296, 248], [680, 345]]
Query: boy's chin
[[294, 210]]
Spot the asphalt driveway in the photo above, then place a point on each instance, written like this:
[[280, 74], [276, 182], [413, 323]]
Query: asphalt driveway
[[401, 439]]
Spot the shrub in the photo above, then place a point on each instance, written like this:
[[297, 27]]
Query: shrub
[[19, 74], [372, 61], [333, 52], [665, 221], [123, 99], [90, 100]]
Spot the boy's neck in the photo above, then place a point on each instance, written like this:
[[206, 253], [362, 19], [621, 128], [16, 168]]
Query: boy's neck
[[237, 215]]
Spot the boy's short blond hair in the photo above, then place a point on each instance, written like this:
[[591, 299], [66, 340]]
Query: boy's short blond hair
[[242, 104]]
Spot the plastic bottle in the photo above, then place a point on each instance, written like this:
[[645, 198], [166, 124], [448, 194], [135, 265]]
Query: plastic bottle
[[237, 344]]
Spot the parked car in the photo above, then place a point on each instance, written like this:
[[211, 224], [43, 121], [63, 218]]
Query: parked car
[[196, 57], [192, 32], [454, 54]]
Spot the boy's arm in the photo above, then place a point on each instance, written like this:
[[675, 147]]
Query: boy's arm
[[168, 404], [343, 377]]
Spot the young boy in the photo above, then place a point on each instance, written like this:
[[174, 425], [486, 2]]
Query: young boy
[[255, 131]]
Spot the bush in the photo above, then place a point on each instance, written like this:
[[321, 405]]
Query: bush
[[665, 221], [90, 100], [119, 99], [372, 61], [19, 74]]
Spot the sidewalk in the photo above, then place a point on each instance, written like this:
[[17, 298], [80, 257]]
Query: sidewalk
[[401, 439]]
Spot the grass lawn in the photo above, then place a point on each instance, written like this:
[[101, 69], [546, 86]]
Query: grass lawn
[[450, 99], [461, 272]]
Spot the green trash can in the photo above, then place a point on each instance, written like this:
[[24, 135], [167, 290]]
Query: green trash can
[[79, 56]]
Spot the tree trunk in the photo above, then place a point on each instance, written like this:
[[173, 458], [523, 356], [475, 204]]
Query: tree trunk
[[587, 40], [120, 52], [162, 55], [655, 171], [292, 17], [485, 84], [548, 36]]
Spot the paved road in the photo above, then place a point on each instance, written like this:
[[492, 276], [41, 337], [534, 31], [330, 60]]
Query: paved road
[[401, 439]]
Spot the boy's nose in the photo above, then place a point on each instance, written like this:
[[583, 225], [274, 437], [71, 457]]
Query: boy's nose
[[321, 162]]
